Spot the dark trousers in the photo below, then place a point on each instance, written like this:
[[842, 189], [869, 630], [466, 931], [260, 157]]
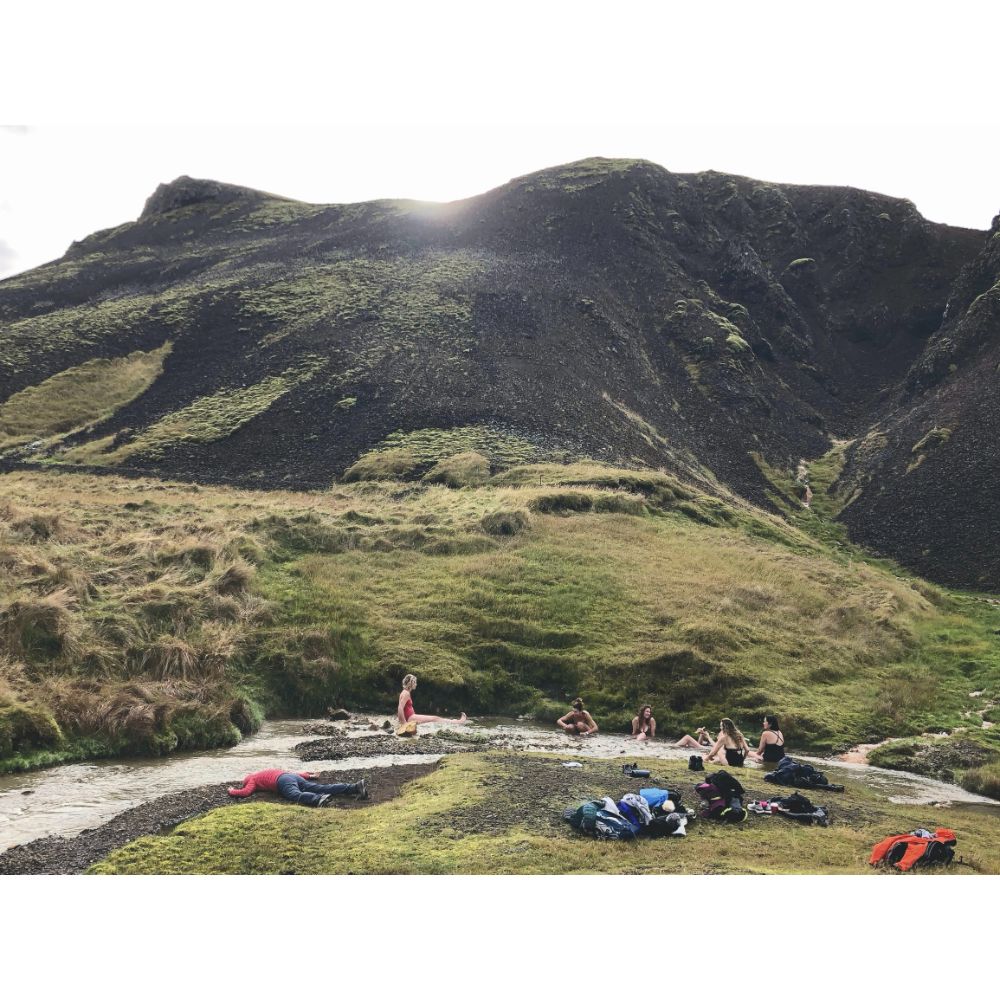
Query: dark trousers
[[305, 792]]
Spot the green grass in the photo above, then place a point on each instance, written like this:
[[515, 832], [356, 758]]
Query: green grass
[[467, 468], [78, 396], [209, 418], [127, 606], [432, 444], [501, 814]]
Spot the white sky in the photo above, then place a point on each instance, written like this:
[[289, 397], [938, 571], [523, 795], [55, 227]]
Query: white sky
[[443, 100]]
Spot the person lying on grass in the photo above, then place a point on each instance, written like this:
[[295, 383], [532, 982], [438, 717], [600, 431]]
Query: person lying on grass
[[578, 722], [644, 725], [405, 711], [298, 787]]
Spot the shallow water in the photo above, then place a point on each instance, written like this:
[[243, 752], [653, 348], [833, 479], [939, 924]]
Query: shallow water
[[69, 798], [897, 786]]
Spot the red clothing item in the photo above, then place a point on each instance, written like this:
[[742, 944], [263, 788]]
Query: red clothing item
[[408, 709], [915, 847], [262, 781]]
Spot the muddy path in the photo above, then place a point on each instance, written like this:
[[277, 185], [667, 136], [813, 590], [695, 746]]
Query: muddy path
[[71, 855]]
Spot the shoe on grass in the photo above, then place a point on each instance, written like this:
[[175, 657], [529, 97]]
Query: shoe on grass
[[361, 789]]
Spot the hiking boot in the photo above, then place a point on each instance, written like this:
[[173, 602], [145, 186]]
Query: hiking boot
[[361, 789], [323, 800]]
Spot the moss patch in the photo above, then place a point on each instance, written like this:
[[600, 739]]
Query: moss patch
[[209, 418], [468, 468], [78, 396]]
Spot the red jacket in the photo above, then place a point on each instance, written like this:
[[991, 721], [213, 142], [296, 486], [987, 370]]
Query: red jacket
[[915, 847], [262, 781]]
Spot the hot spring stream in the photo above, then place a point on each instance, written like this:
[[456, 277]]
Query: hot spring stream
[[70, 798]]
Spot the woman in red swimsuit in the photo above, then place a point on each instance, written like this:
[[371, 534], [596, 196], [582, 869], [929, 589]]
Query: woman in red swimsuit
[[405, 712]]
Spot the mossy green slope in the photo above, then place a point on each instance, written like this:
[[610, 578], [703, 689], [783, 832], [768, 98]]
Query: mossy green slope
[[78, 396], [501, 814], [140, 616]]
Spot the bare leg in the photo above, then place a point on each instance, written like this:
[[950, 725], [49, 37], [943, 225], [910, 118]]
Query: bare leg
[[689, 741], [437, 718], [640, 737]]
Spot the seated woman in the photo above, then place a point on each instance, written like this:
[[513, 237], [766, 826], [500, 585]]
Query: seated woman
[[700, 741], [644, 725], [731, 744], [405, 712], [578, 722], [772, 741]]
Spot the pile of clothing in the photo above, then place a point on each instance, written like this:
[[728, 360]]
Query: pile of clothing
[[793, 806], [653, 812], [795, 775], [919, 847]]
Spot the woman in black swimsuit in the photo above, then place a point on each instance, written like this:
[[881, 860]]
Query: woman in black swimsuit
[[644, 725], [731, 743], [772, 741]]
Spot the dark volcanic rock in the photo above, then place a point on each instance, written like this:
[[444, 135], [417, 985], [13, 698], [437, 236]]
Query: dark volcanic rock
[[605, 308], [186, 191], [925, 478], [341, 747]]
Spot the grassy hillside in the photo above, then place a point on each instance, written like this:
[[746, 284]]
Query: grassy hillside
[[501, 814], [141, 616]]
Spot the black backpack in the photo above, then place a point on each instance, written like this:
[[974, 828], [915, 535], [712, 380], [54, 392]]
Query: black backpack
[[796, 803], [715, 805], [727, 785], [696, 763]]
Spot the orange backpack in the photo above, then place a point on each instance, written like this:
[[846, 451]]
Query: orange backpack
[[904, 850]]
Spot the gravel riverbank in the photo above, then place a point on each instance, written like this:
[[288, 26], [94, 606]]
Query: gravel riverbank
[[71, 855]]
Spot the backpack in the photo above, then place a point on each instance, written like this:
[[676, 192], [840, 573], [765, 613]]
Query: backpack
[[631, 816], [727, 784], [796, 806], [696, 763], [796, 803], [906, 850], [715, 805], [797, 775], [654, 796], [608, 826], [584, 816]]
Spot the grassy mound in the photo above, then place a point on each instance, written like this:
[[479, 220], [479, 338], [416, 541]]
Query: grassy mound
[[145, 616], [501, 814]]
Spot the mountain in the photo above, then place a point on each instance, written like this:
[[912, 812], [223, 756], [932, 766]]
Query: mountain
[[925, 473], [716, 326]]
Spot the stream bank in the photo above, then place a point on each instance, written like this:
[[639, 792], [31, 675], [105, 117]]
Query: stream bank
[[71, 855], [67, 817]]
